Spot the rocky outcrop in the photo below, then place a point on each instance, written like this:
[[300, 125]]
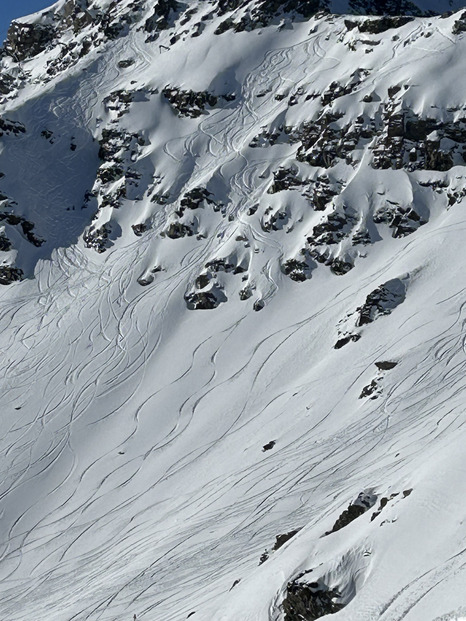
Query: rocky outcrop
[[162, 17], [76, 14], [377, 26], [264, 12], [363, 503], [382, 301], [280, 540], [285, 179], [9, 274], [25, 227], [204, 300], [97, 238], [11, 127], [27, 40], [308, 601], [403, 220], [192, 104], [387, 7]]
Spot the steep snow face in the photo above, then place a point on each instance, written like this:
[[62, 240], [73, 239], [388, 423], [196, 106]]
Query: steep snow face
[[231, 295]]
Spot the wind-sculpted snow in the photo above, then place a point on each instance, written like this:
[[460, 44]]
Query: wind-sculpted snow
[[232, 318]]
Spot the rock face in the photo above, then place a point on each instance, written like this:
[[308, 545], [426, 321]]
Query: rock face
[[9, 274], [388, 7], [382, 301], [308, 601], [204, 300], [363, 503], [27, 40], [193, 104]]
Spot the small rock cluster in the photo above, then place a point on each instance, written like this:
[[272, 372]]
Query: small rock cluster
[[192, 104]]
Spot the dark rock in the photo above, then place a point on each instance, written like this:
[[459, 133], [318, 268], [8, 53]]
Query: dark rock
[[339, 267], [221, 265], [7, 82], [190, 103], [274, 220], [262, 13], [269, 446], [202, 281], [346, 339], [235, 583], [245, 294], [385, 365], [98, 238], [280, 540], [195, 198], [370, 390], [363, 502], [382, 24], [336, 227], [309, 601], [47, 134], [9, 274], [177, 230], [299, 271], [387, 7], [460, 24], [382, 301], [350, 514], [119, 101], [109, 174], [264, 557], [26, 227], [5, 244], [139, 229], [383, 503], [144, 281], [284, 179], [27, 40], [163, 16], [11, 127], [124, 64], [202, 300]]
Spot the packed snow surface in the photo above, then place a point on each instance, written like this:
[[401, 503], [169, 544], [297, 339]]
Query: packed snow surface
[[172, 395]]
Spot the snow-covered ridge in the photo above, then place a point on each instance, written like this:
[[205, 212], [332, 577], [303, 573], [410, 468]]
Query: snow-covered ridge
[[232, 312]]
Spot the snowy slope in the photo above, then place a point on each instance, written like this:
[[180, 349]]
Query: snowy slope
[[232, 308]]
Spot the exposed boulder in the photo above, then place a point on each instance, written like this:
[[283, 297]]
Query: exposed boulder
[[203, 300], [308, 601], [176, 230], [382, 301], [385, 365], [364, 502], [344, 340], [190, 103]]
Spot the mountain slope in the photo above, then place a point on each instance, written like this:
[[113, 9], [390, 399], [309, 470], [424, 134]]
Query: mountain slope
[[232, 309]]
